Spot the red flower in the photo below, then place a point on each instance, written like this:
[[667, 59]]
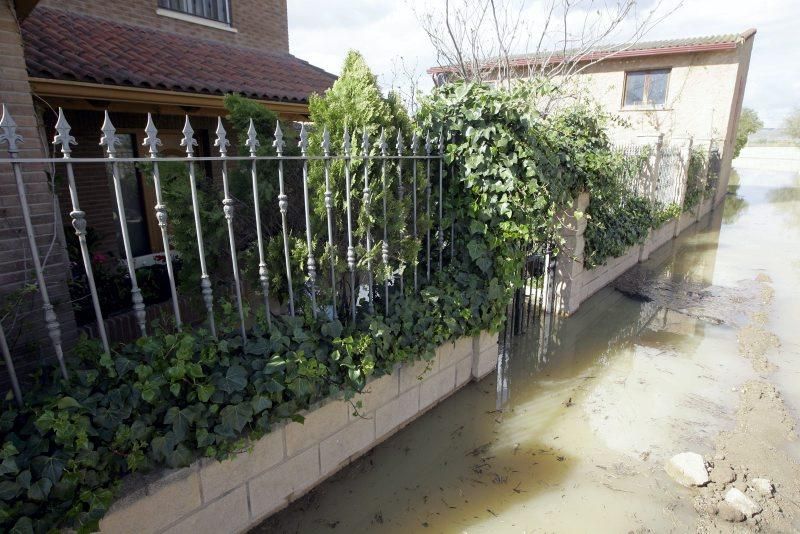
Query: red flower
[[99, 257], [160, 258]]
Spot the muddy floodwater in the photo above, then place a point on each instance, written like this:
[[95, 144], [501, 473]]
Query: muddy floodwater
[[698, 349]]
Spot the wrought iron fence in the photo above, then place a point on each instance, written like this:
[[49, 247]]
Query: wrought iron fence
[[348, 286]]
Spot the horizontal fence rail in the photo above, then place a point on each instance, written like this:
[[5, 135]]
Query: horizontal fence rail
[[383, 185]]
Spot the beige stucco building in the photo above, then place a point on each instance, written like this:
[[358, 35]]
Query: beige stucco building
[[681, 88]]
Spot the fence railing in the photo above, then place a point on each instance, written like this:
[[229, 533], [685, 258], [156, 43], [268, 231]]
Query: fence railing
[[660, 172], [414, 177]]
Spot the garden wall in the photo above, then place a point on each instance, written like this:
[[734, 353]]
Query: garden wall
[[236, 494], [575, 284]]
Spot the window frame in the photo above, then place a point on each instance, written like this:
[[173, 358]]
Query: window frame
[[645, 104], [161, 8]]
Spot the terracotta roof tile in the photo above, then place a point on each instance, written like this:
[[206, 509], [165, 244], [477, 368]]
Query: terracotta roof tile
[[68, 46]]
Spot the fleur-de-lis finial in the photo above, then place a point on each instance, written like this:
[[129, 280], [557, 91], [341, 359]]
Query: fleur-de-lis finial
[[428, 145], [382, 143], [326, 142], [188, 141], [8, 131], [365, 143], [63, 136], [414, 143], [109, 138], [278, 143], [346, 142], [152, 141], [303, 144], [222, 138], [252, 139], [399, 144]]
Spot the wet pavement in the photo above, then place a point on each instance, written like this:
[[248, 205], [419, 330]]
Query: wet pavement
[[572, 432]]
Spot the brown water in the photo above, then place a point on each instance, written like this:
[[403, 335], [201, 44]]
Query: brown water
[[572, 433]]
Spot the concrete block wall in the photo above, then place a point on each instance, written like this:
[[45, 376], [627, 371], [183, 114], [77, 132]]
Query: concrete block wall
[[238, 493]]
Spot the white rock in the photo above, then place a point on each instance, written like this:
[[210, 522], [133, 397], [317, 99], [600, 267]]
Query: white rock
[[742, 502], [688, 469], [762, 486]]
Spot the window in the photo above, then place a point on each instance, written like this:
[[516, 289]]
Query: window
[[646, 87], [218, 10]]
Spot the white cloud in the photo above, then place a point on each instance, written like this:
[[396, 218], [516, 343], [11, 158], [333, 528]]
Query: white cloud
[[322, 31]]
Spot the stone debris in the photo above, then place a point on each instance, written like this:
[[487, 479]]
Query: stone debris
[[728, 512], [722, 474], [742, 502], [688, 469], [762, 486]]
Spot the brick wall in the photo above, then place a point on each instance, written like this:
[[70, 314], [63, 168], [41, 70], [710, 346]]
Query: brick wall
[[24, 325], [258, 23]]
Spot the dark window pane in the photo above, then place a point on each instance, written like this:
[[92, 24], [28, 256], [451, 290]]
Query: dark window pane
[[634, 88], [208, 9], [657, 90], [132, 198]]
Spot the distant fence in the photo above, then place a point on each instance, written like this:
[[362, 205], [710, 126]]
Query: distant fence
[[411, 173]]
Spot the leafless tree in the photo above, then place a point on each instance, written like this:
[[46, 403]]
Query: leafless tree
[[499, 40]]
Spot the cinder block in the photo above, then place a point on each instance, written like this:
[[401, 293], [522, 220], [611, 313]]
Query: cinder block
[[219, 477], [356, 437], [412, 374], [452, 352], [437, 387], [463, 371], [168, 499], [227, 514], [402, 409], [485, 340], [272, 489], [318, 425], [484, 362], [376, 393]]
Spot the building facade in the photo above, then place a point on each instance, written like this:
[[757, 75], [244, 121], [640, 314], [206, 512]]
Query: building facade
[[170, 58]]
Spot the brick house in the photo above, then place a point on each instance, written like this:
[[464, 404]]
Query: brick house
[[170, 58]]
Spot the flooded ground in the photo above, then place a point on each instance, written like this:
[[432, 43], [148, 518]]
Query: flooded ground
[[696, 350]]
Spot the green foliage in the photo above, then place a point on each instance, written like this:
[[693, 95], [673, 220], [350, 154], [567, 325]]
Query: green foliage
[[792, 124], [695, 182], [748, 123]]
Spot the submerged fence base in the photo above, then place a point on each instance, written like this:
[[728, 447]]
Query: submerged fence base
[[236, 494]]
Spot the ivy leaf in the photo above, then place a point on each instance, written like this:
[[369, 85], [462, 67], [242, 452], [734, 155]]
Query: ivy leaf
[[24, 525], [40, 489], [236, 416], [9, 467], [260, 403], [48, 467], [235, 379], [65, 403], [9, 490], [204, 392]]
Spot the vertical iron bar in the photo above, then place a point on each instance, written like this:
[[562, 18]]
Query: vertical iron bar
[[64, 139], [283, 205], [428, 148], [400, 195], [227, 206], [312, 263], [351, 251], [414, 149], [367, 200], [154, 142], [385, 245], [263, 273], [189, 142], [441, 197], [326, 149], [110, 141], [12, 372]]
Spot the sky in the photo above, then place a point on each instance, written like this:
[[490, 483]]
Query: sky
[[389, 35]]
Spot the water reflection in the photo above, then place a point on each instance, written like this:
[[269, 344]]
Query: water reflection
[[573, 428]]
